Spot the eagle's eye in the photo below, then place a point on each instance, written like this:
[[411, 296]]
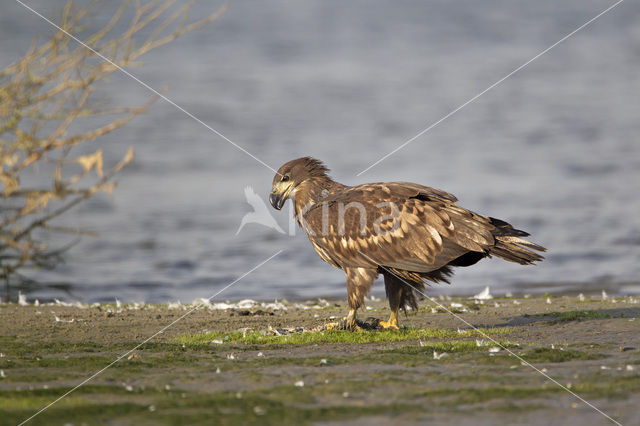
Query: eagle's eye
[[285, 178]]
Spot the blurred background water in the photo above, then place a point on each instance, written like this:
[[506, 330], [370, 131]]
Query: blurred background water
[[553, 150]]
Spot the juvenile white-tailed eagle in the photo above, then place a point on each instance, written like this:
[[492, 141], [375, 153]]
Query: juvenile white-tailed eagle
[[407, 232]]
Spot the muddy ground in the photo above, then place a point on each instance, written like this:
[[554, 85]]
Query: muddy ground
[[263, 364]]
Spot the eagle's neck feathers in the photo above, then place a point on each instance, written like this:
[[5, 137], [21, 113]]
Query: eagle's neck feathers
[[312, 191]]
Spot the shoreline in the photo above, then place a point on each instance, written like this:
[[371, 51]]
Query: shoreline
[[593, 290]]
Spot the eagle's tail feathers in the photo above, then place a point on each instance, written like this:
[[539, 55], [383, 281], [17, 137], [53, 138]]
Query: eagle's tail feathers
[[516, 250]]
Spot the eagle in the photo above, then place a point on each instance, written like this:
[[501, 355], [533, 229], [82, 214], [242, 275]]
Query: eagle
[[411, 234]]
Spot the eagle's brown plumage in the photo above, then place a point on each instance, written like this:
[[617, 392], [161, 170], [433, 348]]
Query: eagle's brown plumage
[[407, 232]]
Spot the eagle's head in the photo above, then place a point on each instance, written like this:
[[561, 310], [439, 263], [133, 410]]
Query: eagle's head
[[292, 174]]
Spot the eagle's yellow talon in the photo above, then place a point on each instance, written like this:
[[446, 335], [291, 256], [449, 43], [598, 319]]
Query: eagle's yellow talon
[[388, 325], [346, 323], [392, 323]]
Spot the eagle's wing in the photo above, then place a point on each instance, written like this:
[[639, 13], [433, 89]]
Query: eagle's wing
[[404, 226]]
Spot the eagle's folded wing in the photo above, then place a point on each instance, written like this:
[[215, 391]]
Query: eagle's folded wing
[[405, 226]]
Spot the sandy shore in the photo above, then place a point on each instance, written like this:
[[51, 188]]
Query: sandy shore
[[260, 364]]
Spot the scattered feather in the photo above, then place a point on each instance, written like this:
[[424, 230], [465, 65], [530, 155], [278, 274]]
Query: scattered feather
[[301, 306], [436, 355], [275, 306], [484, 294], [22, 299], [299, 384]]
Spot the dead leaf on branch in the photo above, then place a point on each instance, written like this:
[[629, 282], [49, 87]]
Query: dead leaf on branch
[[91, 161], [36, 201], [10, 184]]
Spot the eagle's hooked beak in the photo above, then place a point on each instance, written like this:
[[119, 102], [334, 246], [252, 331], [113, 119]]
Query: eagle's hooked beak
[[279, 195]]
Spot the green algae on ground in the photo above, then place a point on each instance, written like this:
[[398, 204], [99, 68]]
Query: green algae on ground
[[558, 355], [332, 336], [289, 404]]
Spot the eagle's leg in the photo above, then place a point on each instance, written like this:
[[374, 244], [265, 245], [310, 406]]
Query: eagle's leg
[[359, 281], [394, 289], [392, 323]]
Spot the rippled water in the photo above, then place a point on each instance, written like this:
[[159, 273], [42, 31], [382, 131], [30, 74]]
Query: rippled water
[[554, 149]]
